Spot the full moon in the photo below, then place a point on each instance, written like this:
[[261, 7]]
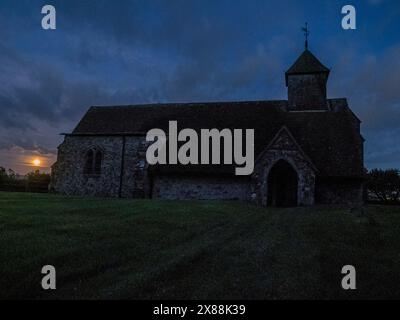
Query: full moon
[[36, 162]]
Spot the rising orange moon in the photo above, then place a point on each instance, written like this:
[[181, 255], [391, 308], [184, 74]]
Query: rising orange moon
[[36, 162]]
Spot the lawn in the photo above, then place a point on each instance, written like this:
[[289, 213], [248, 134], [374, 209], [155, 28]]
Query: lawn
[[141, 249]]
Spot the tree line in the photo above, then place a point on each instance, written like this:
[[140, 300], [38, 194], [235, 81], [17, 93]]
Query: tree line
[[34, 181], [383, 186]]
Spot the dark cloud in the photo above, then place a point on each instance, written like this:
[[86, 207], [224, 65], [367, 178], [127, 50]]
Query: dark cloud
[[26, 145]]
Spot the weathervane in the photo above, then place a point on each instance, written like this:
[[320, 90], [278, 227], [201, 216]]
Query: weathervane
[[306, 34]]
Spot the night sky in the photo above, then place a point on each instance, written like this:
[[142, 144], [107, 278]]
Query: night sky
[[127, 52]]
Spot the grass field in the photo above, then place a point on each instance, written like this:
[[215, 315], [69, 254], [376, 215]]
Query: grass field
[[134, 249]]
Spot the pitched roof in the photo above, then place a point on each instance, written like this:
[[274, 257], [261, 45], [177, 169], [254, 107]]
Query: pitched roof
[[138, 119], [328, 138], [307, 63]]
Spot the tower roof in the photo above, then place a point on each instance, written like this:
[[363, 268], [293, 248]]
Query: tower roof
[[307, 63]]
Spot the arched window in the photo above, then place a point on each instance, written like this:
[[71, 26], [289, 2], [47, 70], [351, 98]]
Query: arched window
[[97, 162], [93, 160], [88, 162]]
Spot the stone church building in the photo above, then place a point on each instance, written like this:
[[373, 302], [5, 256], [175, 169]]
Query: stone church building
[[308, 149]]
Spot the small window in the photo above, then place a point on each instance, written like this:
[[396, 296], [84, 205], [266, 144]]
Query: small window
[[88, 162], [97, 163], [93, 162]]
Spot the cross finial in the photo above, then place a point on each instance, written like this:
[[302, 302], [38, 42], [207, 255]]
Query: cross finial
[[306, 34]]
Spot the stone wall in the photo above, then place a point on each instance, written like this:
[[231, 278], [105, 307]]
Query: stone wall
[[283, 147], [68, 172], [134, 182], [348, 192], [200, 188], [307, 91], [68, 175]]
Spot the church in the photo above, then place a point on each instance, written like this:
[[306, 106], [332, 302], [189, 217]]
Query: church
[[307, 149]]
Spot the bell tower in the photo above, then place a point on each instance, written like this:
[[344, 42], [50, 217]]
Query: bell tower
[[306, 81]]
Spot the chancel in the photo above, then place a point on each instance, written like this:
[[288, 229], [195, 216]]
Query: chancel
[[308, 149]]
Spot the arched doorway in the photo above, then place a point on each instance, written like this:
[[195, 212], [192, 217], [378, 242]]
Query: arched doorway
[[282, 185]]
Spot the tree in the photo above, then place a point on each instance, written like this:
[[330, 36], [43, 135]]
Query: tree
[[37, 181], [9, 181], [3, 176], [384, 184]]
